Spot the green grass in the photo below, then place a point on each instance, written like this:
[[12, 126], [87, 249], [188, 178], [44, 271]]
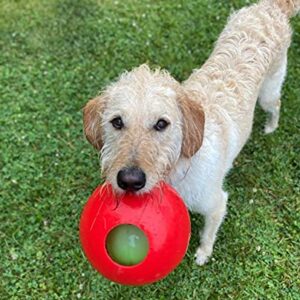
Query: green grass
[[57, 54]]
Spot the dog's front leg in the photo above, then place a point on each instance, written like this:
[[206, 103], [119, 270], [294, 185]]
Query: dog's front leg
[[213, 220]]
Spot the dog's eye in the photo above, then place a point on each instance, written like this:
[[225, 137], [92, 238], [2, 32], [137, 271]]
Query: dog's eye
[[161, 125], [117, 123]]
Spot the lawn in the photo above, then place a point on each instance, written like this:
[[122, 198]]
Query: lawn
[[57, 54]]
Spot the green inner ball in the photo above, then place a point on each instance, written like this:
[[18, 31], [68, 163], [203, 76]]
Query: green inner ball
[[127, 245]]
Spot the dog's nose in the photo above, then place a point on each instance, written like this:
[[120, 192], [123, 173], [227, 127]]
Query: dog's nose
[[131, 179]]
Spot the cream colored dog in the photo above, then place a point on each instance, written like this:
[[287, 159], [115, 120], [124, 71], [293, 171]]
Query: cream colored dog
[[149, 127]]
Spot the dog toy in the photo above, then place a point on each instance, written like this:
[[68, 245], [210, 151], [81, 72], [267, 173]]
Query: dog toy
[[135, 239]]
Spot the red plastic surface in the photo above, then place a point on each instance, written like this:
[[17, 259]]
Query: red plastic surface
[[161, 214]]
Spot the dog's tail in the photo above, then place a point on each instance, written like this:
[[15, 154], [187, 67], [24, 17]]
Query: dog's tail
[[288, 7]]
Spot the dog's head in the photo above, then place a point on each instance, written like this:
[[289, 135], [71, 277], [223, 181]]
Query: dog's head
[[142, 124]]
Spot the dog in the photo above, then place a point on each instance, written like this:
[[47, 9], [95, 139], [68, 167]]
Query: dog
[[148, 127]]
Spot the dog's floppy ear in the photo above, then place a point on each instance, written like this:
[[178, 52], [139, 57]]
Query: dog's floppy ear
[[192, 125], [92, 114]]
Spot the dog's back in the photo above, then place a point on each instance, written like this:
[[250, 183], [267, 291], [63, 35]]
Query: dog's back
[[252, 46]]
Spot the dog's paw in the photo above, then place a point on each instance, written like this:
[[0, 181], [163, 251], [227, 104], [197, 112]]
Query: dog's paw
[[202, 256], [269, 128]]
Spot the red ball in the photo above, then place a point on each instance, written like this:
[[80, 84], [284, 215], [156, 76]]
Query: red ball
[[160, 214]]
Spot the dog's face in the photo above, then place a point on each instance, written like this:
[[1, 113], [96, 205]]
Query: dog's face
[[142, 124]]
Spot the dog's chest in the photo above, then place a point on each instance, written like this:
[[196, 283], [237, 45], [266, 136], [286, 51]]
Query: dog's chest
[[196, 179]]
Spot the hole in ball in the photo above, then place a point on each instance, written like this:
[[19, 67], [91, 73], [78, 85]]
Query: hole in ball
[[127, 245]]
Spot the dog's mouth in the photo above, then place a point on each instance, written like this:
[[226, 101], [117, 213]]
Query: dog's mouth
[[131, 179]]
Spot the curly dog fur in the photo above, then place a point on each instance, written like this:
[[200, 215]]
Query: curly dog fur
[[208, 118]]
